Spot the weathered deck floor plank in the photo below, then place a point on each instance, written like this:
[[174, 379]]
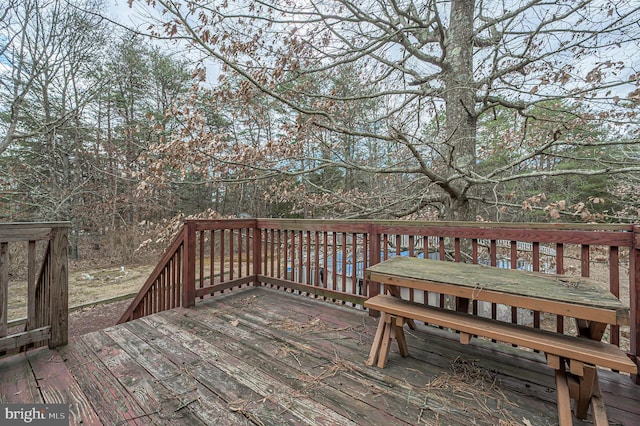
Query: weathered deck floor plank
[[263, 357]]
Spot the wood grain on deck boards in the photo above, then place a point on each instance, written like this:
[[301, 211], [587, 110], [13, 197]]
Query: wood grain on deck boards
[[191, 394], [58, 386], [422, 375], [150, 396], [112, 403], [259, 356], [309, 379], [322, 375], [17, 384], [234, 395], [537, 393], [401, 397], [231, 360]]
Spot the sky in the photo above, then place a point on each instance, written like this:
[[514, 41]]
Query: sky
[[136, 17]]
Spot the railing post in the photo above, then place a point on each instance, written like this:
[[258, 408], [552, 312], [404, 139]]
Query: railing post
[[634, 296], [189, 266], [257, 253], [59, 291], [374, 258], [4, 287]]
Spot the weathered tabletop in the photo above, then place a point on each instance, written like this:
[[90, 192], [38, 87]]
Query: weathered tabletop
[[577, 297]]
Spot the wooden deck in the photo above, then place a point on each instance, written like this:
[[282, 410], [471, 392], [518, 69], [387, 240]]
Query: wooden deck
[[261, 356]]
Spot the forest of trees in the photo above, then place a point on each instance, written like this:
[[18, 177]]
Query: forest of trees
[[500, 111]]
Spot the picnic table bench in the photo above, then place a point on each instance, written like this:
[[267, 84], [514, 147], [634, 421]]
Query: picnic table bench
[[574, 358]]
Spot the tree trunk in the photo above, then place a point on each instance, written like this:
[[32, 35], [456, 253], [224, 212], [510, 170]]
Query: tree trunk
[[461, 118]]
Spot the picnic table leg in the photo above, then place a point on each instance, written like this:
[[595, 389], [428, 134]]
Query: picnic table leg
[[590, 329], [564, 401], [585, 390], [399, 335], [389, 328], [598, 409], [386, 340], [377, 340]]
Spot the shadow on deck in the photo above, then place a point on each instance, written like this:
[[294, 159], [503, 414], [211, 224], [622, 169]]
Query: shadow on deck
[[261, 356]]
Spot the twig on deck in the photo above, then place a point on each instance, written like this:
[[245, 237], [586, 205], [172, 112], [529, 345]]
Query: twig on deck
[[424, 406], [137, 417], [185, 405]]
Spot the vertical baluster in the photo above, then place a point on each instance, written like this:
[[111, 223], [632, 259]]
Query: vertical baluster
[[343, 250], [285, 254], [266, 237], [163, 289], [325, 260], [164, 293], [614, 288], [385, 247], [156, 296], [293, 255], [231, 255], [365, 263], [299, 255], [178, 277], [441, 252], [355, 283], [212, 257], [279, 246], [457, 250], [4, 287], [374, 250], [513, 257], [585, 261], [316, 259], [169, 282], [249, 247], [560, 270], [582, 325], [411, 244], [272, 253], [201, 259], [536, 267], [474, 260], [257, 255], [31, 285], [308, 256], [334, 266], [241, 251], [46, 317], [223, 255], [493, 256], [462, 304]]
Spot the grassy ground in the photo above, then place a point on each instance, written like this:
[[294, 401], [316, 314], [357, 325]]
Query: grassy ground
[[86, 286]]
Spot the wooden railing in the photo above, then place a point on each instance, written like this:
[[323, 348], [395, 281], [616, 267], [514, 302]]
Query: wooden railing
[[326, 258], [211, 256], [45, 247]]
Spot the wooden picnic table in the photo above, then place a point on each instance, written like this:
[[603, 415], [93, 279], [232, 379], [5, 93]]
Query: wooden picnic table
[[592, 305], [574, 358]]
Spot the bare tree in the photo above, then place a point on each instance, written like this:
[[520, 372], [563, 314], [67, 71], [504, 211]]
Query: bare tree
[[437, 71], [49, 52]]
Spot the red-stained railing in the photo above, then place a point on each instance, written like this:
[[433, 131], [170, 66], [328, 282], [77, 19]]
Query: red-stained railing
[[327, 258], [209, 256], [44, 245]]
